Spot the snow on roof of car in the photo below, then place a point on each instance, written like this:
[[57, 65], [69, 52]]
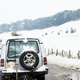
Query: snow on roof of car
[[18, 37]]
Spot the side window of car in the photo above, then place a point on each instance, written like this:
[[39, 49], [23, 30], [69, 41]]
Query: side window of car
[[11, 49]]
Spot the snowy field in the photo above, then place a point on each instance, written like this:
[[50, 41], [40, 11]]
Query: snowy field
[[57, 38]]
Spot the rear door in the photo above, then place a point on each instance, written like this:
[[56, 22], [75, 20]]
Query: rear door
[[16, 48]]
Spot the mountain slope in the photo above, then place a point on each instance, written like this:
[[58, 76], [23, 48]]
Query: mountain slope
[[42, 23], [66, 29]]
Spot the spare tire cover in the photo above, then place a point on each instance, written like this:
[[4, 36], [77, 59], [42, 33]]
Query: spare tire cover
[[29, 60]]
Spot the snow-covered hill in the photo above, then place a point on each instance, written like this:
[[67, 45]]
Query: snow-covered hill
[[43, 22], [59, 37]]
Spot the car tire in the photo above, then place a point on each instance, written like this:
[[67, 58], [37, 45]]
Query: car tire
[[3, 78], [29, 60]]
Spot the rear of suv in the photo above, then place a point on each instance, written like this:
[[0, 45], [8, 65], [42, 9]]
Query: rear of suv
[[23, 57]]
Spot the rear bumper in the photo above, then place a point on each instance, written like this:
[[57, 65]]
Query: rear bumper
[[10, 71], [31, 73]]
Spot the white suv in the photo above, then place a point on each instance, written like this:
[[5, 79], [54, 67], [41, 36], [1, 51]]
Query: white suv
[[23, 57]]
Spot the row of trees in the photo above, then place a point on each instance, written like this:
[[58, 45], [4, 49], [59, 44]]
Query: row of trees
[[72, 30]]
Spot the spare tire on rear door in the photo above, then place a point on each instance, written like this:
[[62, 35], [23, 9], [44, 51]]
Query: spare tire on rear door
[[29, 60]]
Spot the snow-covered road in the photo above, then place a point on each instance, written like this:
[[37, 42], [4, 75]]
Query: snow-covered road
[[66, 67], [65, 62]]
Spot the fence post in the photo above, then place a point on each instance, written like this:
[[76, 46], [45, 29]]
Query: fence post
[[66, 53], [56, 52], [62, 54], [45, 49], [48, 52], [52, 51], [69, 54], [78, 54]]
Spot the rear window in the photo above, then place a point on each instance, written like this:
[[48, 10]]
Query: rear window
[[17, 47]]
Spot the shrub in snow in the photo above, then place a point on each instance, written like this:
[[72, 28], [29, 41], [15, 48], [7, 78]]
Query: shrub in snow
[[42, 35], [46, 33], [66, 31], [73, 30], [14, 33], [52, 32], [58, 33]]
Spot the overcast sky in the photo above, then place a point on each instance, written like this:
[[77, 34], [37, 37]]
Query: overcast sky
[[14, 10]]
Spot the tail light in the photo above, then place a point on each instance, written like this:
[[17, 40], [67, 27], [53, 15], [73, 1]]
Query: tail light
[[45, 61], [2, 63]]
